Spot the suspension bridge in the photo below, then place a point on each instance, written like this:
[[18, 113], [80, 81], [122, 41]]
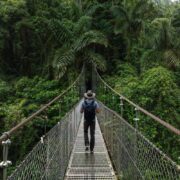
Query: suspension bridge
[[122, 151]]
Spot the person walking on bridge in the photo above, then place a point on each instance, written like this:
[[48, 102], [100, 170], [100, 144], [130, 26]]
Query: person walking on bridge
[[89, 107]]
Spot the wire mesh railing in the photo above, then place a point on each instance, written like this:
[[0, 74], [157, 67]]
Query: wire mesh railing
[[35, 126], [132, 154], [153, 129], [161, 133], [129, 133], [127, 137], [49, 158]]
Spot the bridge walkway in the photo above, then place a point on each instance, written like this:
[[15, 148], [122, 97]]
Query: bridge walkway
[[84, 165]]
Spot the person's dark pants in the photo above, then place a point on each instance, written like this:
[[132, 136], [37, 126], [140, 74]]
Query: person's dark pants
[[90, 124]]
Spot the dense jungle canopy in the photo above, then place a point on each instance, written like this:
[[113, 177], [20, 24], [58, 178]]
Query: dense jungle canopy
[[135, 45]]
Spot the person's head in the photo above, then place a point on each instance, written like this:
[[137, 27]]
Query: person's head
[[89, 94]]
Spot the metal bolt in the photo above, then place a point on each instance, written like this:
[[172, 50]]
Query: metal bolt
[[136, 119], [137, 115], [5, 163]]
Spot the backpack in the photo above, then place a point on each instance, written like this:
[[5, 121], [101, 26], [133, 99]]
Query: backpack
[[89, 111]]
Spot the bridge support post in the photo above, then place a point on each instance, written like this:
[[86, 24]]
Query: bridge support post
[[5, 163], [121, 106], [136, 119]]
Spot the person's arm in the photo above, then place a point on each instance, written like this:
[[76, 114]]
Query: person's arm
[[97, 108]]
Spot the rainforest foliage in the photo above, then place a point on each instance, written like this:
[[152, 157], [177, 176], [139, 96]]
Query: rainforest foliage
[[135, 45]]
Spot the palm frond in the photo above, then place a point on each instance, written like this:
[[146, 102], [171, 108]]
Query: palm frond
[[63, 57], [163, 31], [150, 58], [176, 20], [75, 11], [97, 59], [60, 30], [83, 24], [121, 27], [60, 72], [91, 10], [119, 11], [157, 22], [88, 38], [139, 8]]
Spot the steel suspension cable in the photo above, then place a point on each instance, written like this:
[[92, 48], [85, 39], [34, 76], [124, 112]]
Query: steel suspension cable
[[157, 119], [7, 134]]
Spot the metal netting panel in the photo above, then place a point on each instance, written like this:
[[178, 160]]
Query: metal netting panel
[[49, 158], [133, 155], [86, 165]]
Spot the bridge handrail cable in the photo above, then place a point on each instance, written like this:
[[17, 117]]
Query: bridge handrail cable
[[134, 156], [7, 134], [157, 119], [138, 132]]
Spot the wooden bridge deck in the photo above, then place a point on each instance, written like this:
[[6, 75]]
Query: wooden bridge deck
[[84, 165]]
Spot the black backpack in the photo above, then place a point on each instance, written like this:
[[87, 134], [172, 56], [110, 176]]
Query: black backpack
[[89, 111]]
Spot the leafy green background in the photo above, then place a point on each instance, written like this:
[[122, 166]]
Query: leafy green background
[[134, 44]]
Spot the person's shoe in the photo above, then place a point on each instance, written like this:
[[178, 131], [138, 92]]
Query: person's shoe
[[92, 152], [87, 148]]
